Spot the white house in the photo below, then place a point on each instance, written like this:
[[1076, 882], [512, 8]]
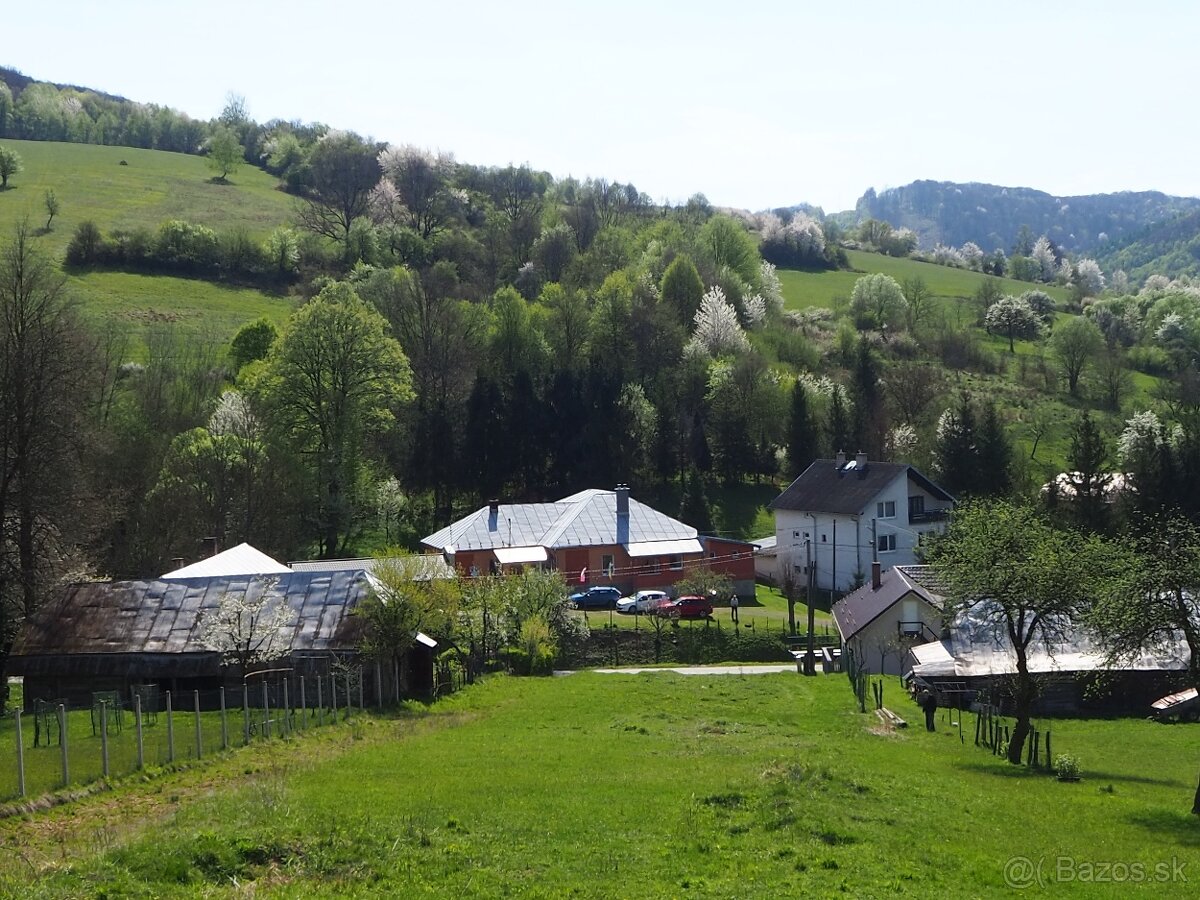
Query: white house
[[841, 515], [897, 609]]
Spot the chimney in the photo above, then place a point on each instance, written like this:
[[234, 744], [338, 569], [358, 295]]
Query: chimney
[[841, 458], [209, 546], [860, 462], [493, 514], [875, 576], [622, 492], [176, 563]]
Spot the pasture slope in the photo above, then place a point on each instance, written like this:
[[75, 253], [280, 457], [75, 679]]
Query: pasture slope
[[633, 786], [152, 187]]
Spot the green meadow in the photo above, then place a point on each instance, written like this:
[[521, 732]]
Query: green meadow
[[154, 186], [652, 785]]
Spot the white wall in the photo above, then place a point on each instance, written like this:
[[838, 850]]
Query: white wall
[[855, 547], [880, 643]]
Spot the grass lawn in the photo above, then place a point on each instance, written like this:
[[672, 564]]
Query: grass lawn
[[632, 786]]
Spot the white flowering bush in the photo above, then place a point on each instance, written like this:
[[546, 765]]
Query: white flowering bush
[[772, 290], [1089, 277]]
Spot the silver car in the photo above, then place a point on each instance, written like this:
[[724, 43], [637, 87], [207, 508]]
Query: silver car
[[642, 602]]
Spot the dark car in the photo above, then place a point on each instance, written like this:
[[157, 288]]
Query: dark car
[[688, 607], [596, 598]]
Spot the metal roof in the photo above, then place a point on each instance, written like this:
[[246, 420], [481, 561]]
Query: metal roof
[[240, 560], [979, 646], [420, 566], [586, 519], [161, 616], [824, 488], [511, 555]]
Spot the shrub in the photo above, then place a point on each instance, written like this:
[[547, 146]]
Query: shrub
[[1066, 768], [1150, 360], [86, 245]]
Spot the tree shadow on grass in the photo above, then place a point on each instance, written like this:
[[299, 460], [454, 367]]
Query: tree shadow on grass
[[1134, 779], [1180, 828]]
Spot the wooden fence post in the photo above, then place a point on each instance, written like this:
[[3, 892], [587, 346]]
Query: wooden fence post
[[303, 705], [361, 705], [266, 711], [245, 714], [224, 722], [170, 731], [137, 717], [320, 703], [62, 743], [287, 709], [199, 739], [349, 699], [104, 737], [20, 755]]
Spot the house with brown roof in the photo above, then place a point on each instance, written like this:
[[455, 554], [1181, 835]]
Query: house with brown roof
[[897, 609], [841, 515], [594, 537]]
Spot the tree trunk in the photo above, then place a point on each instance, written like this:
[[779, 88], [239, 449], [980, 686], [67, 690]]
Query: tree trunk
[[1196, 801]]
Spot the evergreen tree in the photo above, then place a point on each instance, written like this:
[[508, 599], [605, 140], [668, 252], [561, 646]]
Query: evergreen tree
[[870, 424], [802, 435], [693, 507], [837, 424], [1089, 481], [955, 455], [682, 289], [994, 454]]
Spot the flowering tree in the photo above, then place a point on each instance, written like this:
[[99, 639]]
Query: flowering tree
[[755, 309], [718, 331], [1014, 317], [249, 628], [972, 255], [421, 180], [880, 297], [1089, 278], [772, 290], [1044, 258]]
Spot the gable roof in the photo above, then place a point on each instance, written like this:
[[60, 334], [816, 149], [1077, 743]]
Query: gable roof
[[163, 616], [586, 519], [240, 560], [860, 608], [822, 487]]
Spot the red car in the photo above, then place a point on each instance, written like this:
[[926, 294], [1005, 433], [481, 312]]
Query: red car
[[689, 607]]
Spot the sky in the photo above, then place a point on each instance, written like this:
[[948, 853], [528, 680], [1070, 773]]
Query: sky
[[755, 105]]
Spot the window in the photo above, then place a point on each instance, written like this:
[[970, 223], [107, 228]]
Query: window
[[606, 563], [886, 543], [795, 534], [885, 509], [677, 563]]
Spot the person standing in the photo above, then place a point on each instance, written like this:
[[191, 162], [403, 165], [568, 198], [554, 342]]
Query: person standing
[[733, 608], [928, 701]]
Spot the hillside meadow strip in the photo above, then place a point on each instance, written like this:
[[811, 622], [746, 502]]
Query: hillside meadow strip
[[641, 786]]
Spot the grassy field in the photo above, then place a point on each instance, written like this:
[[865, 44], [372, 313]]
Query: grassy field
[[768, 610], [832, 289], [154, 186], [632, 786]]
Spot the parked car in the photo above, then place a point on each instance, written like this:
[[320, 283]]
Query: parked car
[[596, 598], [689, 607], [642, 602]]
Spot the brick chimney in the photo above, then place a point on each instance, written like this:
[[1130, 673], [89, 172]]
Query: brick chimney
[[876, 577], [860, 461], [841, 458]]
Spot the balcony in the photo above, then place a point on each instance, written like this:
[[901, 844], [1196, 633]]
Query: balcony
[[928, 515]]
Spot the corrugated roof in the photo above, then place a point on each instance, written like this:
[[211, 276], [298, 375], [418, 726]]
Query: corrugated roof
[[586, 519], [979, 646], [421, 566], [240, 560], [164, 616], [663, 548], [823, 488]]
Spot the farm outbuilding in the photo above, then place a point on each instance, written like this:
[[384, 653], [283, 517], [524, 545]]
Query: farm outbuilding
[[111, 636], [1074, 673]]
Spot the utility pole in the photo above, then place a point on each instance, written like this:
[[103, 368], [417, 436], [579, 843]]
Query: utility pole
[[809, 660]]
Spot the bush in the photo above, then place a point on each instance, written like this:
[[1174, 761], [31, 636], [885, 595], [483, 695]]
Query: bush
[[1150, 360], [86, 245], [1066, 768]]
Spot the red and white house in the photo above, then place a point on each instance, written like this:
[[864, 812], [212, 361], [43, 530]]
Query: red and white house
[[593, 537]]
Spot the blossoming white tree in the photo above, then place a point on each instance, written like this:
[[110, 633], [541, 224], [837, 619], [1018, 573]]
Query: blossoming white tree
[[250, 628], [1089, 278], [718, 331], [755, 309], [772, 289], [1043, 255], [1014, 318]]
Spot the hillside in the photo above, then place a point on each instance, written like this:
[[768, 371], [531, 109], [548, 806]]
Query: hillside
[[152, 186], [992, 216], [1170, 248]]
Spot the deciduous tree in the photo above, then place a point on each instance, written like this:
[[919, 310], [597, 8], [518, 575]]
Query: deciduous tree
[[1075, 343], [10, 165]]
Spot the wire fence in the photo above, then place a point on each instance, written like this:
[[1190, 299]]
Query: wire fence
[[59, 744]]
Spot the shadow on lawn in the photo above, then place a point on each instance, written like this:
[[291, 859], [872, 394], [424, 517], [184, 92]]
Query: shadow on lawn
[[1181, 828]]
